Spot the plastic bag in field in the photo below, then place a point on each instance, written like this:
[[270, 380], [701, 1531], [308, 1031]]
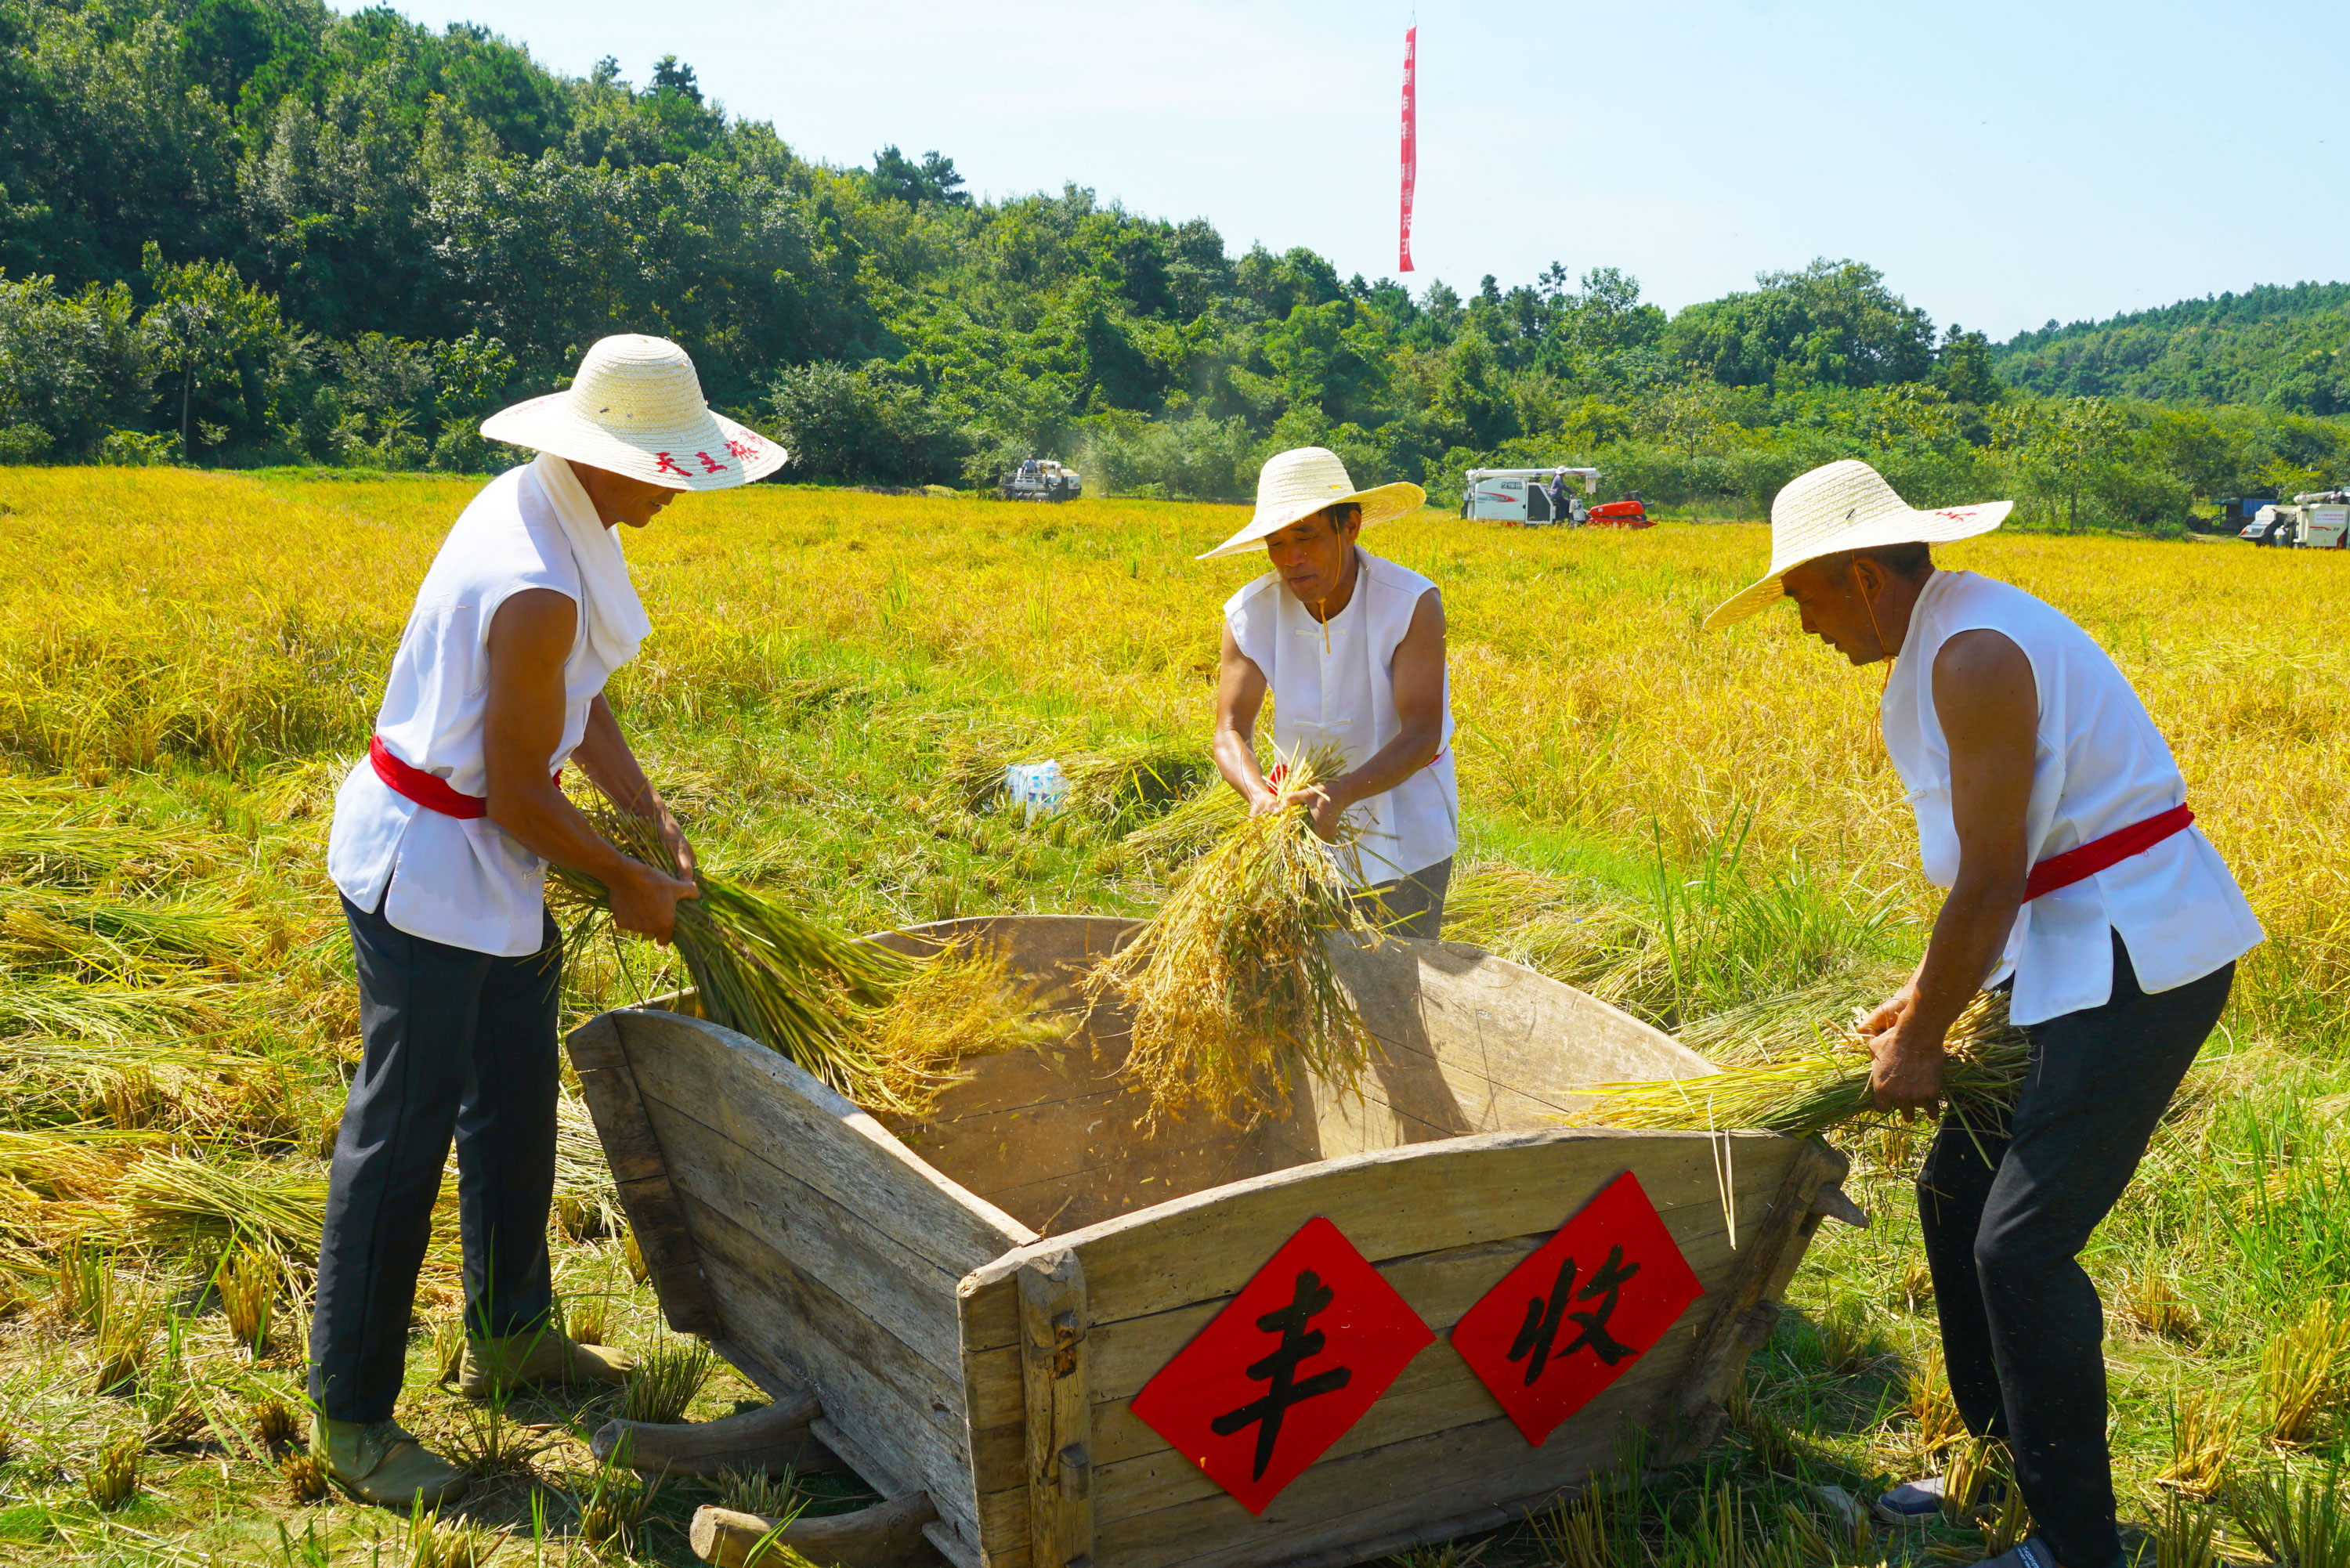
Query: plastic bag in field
[[1036, 788]]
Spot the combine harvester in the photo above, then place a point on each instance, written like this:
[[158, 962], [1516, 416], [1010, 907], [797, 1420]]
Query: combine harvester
[[1041, 479], [1518, 497], [2315, 520]]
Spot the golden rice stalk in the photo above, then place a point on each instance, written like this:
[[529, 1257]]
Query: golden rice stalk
[[2302, 1374], [247, 1284], [963, 1001], [1230, 985], [173, 1197], [112, 1478], [2151, 1304], [272, 1421], [759, 969], [665, 1382], [1805, 1093], [1935, 1423], [306, 1476], [2201, 1435]]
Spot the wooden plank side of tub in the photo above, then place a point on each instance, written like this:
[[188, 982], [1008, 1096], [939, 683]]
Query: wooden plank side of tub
[[1442, 1223], [1474, 1044], [829, 1251]]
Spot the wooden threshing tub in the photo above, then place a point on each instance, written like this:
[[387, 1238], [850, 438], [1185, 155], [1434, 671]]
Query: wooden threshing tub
[[964, 1312]]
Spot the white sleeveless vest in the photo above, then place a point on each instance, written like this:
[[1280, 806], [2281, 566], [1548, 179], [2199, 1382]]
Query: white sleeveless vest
[[1335, 683], [467, 883], [2099, 765]]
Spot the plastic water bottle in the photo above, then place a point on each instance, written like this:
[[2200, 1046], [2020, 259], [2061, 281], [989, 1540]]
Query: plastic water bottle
[[1037, 788]]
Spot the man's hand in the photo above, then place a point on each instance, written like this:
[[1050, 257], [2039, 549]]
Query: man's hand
[[673, 839], [645, 900], [1890, 1011], [1907, 1073], [1323, 810]]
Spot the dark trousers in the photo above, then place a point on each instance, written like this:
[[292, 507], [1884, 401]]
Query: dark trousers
[[2005, 1223], [457, 1043], [1411, 906]]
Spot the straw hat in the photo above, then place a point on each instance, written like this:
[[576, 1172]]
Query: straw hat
[[1296, 484], [1844, 507], [636, 408]]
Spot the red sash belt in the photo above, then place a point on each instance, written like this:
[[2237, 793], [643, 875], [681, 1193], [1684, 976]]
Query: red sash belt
[[2086, 860], [429, 791]]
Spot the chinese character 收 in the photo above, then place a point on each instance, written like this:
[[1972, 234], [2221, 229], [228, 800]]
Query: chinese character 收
[[1540, 1331], [1298, 1344]]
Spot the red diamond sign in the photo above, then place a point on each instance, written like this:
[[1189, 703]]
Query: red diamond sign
[[1286, 1368], [1566, 1322]]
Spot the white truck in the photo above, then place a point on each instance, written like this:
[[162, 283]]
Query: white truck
[[2315, 520], [1522, 496]]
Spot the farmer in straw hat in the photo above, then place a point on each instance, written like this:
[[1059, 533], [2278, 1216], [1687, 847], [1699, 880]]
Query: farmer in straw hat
[[441, 838], [2049, 806], [1352, 648]]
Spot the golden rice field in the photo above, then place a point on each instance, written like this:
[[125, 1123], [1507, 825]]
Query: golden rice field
[[1696, 826]]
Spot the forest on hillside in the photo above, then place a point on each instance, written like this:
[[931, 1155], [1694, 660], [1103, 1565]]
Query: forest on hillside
[[236, 233]]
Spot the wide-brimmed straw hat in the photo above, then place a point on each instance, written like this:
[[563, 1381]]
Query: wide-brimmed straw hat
[[1845, 506], [1296, 484], [636, 408]]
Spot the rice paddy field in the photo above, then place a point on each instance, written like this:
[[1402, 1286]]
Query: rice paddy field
[[1702, 829]]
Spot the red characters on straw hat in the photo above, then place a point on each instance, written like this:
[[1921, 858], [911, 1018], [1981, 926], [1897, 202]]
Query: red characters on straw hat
[[665, 465]]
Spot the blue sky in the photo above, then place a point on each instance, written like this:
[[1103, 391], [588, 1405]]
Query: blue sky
[[2002, 163]]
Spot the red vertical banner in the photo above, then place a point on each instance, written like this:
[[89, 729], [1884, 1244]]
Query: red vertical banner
[[1410, 140]]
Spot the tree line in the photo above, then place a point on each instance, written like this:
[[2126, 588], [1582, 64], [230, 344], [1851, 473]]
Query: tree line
[[250, 232]]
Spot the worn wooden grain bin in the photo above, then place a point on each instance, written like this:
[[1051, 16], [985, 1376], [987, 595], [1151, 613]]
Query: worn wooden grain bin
[[974, 1303]]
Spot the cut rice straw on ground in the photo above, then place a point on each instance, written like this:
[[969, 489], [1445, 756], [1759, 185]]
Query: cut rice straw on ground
[[1809, 1091], [1230, 985]]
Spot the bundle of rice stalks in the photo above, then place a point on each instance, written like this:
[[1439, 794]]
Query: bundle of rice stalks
[[2202, 1436], [281, 1208], [762, 970], [1804, 1091], [963, 1001], [169, 1081], [1202, 819], [58, 1162], [1230, 986], [32, 1002], [2305, 1376]]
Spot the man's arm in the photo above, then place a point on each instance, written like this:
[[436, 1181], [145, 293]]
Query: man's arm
[[603, 754], [1240, 698], [1419, 680], [529, 639], [1989, 709]]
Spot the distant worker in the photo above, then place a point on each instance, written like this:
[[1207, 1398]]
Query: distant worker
[[440, 844], [2049, 806], [1352, 648], [1562, 500]]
